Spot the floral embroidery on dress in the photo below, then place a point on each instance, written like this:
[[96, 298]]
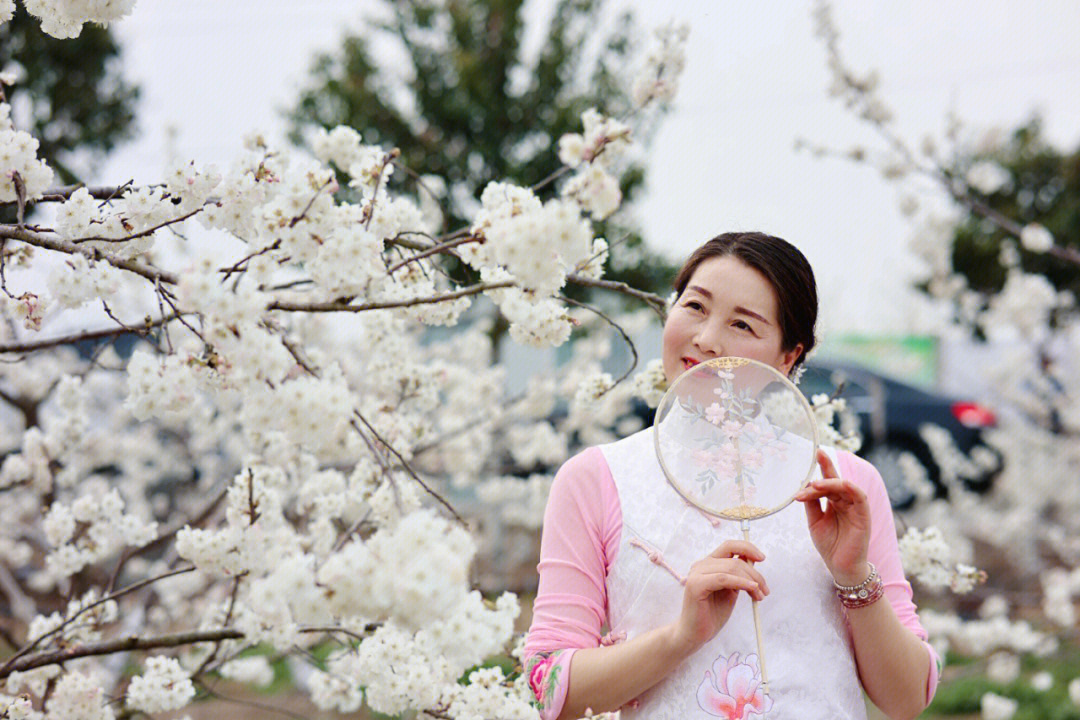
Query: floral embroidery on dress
[[732, 689], [543, 672]]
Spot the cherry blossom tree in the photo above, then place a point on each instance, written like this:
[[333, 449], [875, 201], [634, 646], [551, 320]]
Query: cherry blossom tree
[[269, 467], [1029, 519]]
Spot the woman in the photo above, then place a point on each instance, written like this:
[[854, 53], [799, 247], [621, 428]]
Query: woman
[[618, 540]]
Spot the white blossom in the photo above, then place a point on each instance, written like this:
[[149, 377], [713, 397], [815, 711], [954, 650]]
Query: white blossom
[[1025, 304], [572, 149], [254, 669], [79, 280], [163, 686], [650, 384], [997, 707], [59, 524], [18, 708], [987, 177], [1042, 681], [1003, 667], [341, 146], [488, 695], [18, 154], [1036, 238], [658, 80], [398, 570], [65, 18], [592, 389], [595, 190], [78, 696]]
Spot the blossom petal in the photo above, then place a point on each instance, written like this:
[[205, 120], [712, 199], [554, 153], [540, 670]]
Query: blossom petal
[[714, 702], [741, 682]]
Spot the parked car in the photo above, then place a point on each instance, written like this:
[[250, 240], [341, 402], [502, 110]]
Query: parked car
[[892, 415]]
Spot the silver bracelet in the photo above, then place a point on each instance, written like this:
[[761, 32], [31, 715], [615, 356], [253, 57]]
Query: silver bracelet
[[868, 592], [856, 588]]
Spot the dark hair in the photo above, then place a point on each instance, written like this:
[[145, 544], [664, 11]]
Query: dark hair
[[786, 269]]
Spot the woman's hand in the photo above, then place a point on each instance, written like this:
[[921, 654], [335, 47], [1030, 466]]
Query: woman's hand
[[712, 586], [841, 532]]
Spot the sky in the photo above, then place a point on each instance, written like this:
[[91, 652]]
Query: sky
[[725, 157]]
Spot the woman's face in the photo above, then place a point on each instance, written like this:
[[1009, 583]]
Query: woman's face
[[727, 309]]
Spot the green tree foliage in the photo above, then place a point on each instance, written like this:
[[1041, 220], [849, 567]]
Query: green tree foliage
[[70, 94], [470, 106], [1045, 189]]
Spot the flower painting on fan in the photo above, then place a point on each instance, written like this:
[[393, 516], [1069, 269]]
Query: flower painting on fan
[[734, 438]]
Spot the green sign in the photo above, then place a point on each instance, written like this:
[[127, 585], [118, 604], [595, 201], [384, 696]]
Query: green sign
[[912, 358]]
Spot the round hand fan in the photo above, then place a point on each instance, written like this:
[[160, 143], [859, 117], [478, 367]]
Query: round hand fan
[[737, 440]]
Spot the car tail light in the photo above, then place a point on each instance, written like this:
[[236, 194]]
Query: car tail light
[[973, 415]]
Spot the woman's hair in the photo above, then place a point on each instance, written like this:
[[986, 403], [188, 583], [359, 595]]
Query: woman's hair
[[786, 269]]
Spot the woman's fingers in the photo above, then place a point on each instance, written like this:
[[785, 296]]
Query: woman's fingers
[[833, 489], [730, 566], [814, 513], [707, 583], [741, 548], [828, 470]]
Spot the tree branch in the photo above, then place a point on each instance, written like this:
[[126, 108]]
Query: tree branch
[[228, 618], [304, 212], [409, 469], [37, 239], [625, 337], [164, 537], [63, 192], [125, 644], [551, 178], [336, 306], [104, 599], [142, 233], [657, 303], [91, 335], [434, 249], [1004, 222]]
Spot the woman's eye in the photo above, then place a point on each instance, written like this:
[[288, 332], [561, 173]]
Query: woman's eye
[[742, 325], [695, 305]]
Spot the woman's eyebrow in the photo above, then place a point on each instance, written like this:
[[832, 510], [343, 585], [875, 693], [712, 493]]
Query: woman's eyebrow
[[739, 308], [743, 311]]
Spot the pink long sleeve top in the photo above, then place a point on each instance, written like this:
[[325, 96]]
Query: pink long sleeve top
[[582, 528]]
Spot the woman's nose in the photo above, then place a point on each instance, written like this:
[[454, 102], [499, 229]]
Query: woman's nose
[[708, 340]]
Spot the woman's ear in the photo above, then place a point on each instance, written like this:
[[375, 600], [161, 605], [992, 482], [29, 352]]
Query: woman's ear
[[790, 356]]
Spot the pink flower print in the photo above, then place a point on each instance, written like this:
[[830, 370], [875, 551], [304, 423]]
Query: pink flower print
[[714, 414], [753, 459], [724, 461], [543, 671], [702, 458], [732, 689], [740, 493], [537, 674], [732, 428]]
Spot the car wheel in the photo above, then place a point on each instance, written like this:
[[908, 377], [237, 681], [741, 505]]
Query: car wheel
[[890, 460]]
